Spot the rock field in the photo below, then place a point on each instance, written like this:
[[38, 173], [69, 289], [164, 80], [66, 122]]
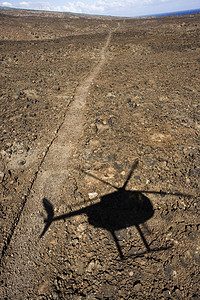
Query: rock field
[[82, 100]]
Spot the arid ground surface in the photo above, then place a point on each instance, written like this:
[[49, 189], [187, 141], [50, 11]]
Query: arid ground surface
[[81, 99]]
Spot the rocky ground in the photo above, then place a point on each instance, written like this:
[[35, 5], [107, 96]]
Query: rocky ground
[[82, 98]]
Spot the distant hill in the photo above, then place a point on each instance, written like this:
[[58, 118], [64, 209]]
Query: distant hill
[[175, 13]]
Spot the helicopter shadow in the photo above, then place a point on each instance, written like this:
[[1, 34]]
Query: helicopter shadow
[[115, 211]]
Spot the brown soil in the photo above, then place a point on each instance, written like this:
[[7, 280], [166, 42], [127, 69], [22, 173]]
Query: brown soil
[[82, 99]]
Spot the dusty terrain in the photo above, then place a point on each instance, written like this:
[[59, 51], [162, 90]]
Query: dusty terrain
[[82, 99]]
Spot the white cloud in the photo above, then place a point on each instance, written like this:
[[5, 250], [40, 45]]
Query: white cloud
[[90, 7], [105, 6], [6, 4], [24, 4], [81, 7], [35, 5], [97, 7]]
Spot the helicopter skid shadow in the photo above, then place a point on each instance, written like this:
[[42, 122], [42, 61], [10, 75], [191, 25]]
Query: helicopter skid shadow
[[133, 254]]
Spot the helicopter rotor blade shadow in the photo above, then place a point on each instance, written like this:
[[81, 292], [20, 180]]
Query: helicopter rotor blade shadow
[[95, 177], [164, 193], [134, 166]]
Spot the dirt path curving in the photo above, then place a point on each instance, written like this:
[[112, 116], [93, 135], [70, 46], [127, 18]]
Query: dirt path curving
[[23, 262]]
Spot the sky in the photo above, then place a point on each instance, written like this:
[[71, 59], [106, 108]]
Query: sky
[[124, 8]]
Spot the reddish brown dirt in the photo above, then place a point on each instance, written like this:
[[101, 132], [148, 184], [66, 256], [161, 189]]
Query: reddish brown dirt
[[84, 96]]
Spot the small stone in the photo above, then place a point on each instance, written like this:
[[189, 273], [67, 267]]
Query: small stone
[[1, 175], [174, 274], [102, 127], [80, 267], [178, 293], [131, 273], [182, 204], [110, 172], [163, 164], [187, 180], [90, 297], [110, 95], [91, 266], [82, 227], [3, 152], [137, 286], [75, 242], [43, 287], [22, 162], [92, 195]]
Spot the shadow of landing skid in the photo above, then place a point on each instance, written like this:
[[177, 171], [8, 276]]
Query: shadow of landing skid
[[115, 211]]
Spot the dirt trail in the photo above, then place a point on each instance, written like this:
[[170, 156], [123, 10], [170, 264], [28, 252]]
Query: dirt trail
[[24, 259]]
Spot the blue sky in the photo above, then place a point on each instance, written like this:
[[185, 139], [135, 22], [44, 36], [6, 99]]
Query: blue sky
[[129, 8]]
